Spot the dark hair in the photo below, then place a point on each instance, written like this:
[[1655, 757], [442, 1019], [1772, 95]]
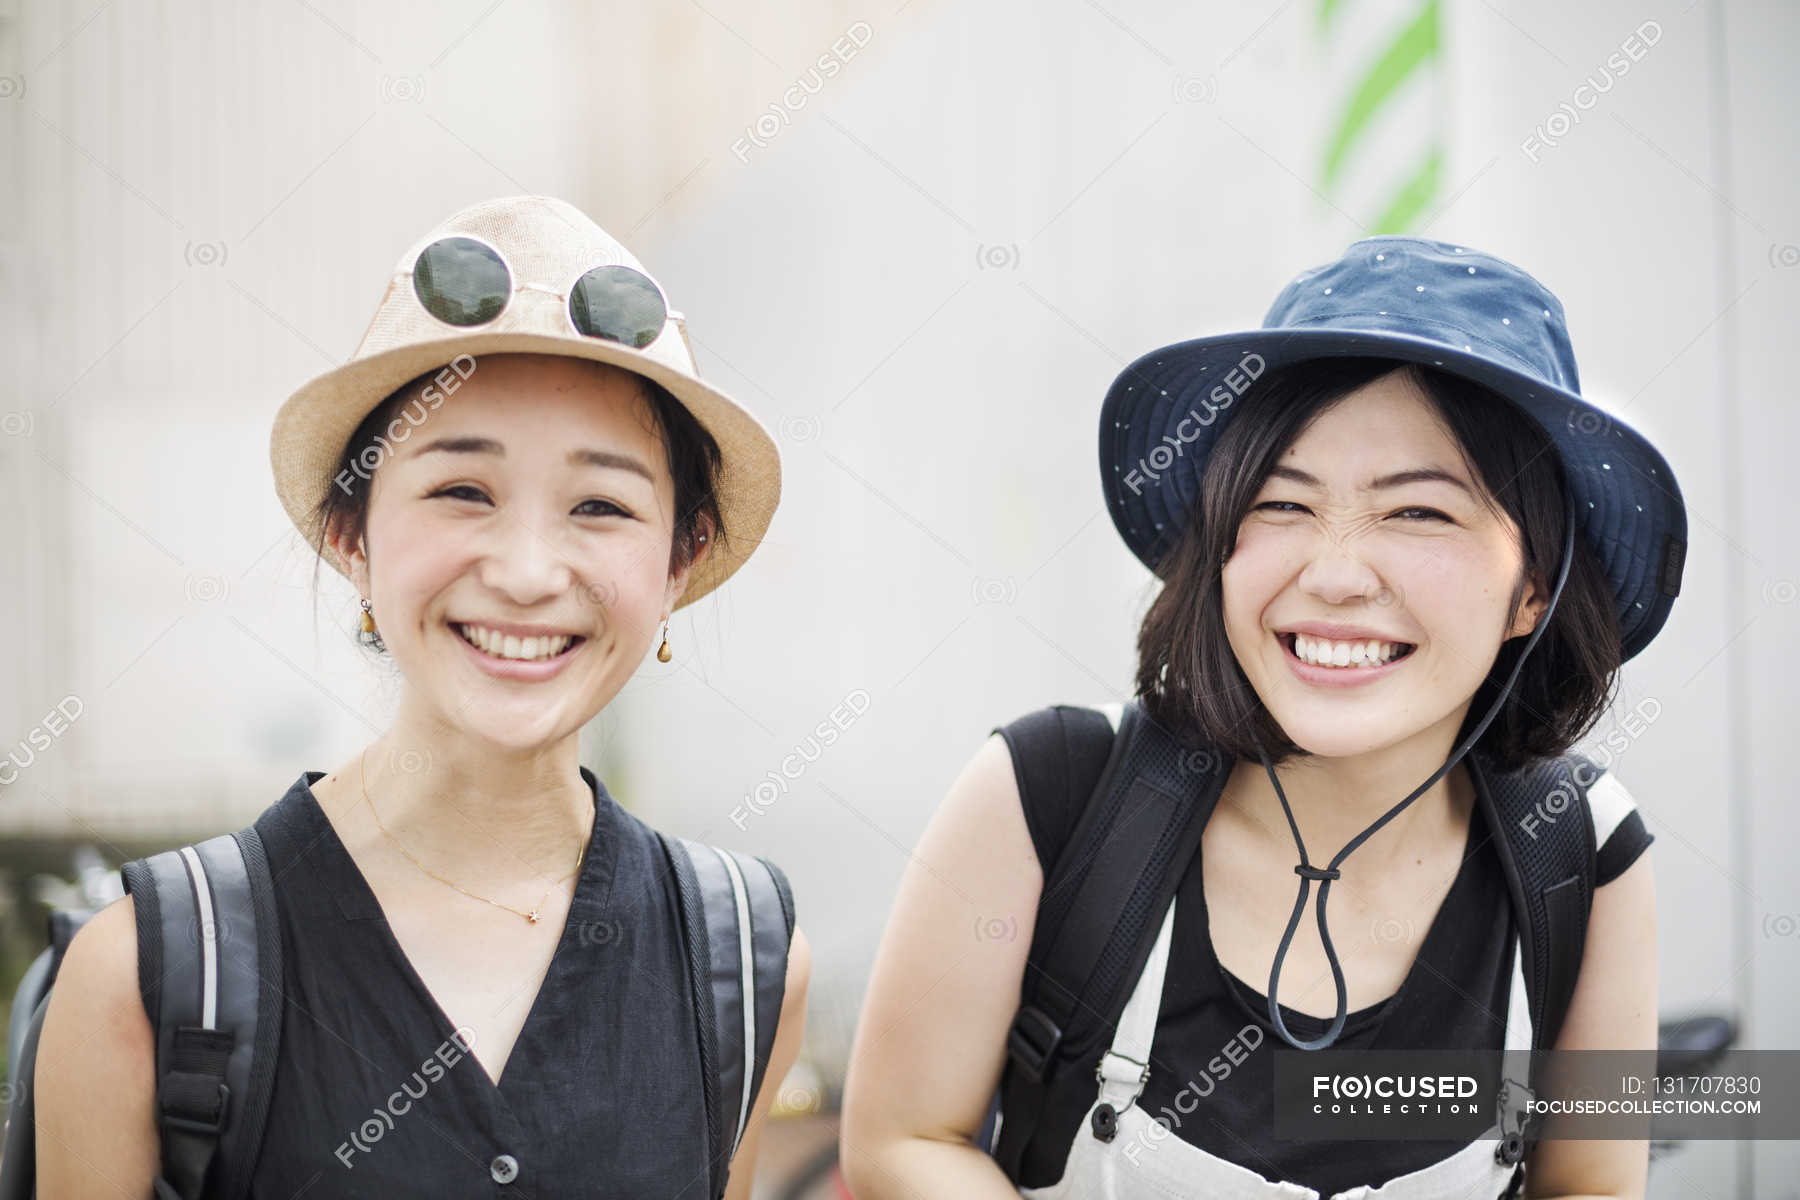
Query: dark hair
[[1189, 679], [694, 462]]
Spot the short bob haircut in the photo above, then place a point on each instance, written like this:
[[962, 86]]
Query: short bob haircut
[[1188, 678], [694, 462]]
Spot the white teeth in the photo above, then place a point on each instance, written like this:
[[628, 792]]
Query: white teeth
[[511, 646], [1321, 653]]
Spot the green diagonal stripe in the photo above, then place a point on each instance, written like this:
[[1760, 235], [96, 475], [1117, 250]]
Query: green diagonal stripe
[[1413, 196], [1417, 43]]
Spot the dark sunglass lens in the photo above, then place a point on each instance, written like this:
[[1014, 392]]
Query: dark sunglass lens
[[460, 281], [618, 304]]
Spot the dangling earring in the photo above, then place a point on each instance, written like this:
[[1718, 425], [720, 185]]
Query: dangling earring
[[368, 621], [662, 651]]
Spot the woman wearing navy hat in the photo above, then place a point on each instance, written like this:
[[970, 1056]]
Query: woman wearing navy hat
[[1373, 603]]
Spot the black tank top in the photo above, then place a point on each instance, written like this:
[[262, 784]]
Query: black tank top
[[1454, 997], [374, 1094]]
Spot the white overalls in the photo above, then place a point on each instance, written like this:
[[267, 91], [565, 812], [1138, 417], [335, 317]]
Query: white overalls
[[1164, 1167]]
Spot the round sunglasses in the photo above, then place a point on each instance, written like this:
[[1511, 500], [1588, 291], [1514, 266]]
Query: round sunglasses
[[464, 281]]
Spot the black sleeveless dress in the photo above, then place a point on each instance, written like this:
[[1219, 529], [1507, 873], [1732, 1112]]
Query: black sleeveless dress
[[375, 1094]]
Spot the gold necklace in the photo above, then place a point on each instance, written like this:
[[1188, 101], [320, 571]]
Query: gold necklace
[[537, 910]]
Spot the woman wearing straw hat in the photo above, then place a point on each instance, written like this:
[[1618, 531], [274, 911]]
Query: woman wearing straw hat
[[1363, 520], [523, 476]]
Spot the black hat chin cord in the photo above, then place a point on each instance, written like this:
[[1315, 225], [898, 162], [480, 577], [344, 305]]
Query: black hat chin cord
[[1309, 873]]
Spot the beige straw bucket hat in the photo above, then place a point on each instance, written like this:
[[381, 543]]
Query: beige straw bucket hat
[[550, 250]]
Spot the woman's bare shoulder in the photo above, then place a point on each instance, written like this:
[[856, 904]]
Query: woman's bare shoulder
[[102, 957], [96, 999], [95, 1075]]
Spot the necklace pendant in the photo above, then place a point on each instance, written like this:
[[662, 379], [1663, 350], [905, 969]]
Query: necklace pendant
[[532, 916]]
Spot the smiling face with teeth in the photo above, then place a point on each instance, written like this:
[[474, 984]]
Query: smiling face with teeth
[[1371, 583], [519, 549]]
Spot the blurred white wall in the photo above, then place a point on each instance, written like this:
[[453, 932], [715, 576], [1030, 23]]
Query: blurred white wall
[[922, 274]]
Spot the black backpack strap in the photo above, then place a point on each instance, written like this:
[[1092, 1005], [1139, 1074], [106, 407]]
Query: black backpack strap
[[1546, 843], [209, 969], [737, 915], [1545, 837], [1058, 754], [1097, 917]]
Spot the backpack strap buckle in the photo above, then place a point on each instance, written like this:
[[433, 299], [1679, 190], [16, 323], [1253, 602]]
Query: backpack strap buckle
[[191, 1104], [1032, 1041]]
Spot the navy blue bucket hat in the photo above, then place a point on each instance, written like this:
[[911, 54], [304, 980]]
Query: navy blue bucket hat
[[1420, 301]]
